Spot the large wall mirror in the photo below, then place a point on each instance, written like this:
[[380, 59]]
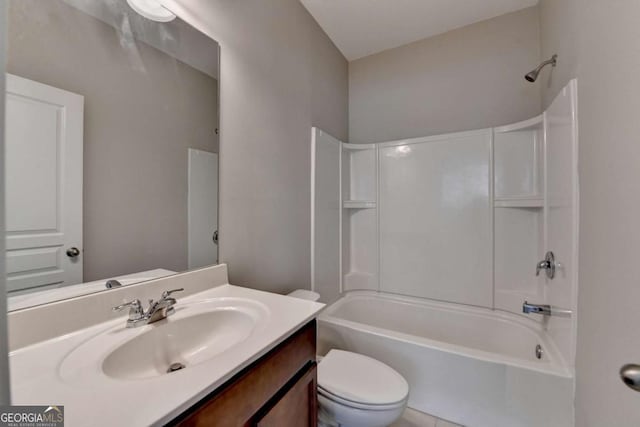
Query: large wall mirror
[[111, 148]]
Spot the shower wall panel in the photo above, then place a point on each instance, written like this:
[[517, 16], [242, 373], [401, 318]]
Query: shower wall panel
[[326, 238], [436, 218]]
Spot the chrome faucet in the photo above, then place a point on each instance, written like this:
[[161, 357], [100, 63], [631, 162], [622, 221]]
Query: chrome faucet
[[113, 283], [158, 310], [545, 310], [163, 307], [136, 313]]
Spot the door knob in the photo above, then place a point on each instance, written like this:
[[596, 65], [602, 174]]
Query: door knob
[[215, 237], [73, 252], [630, 375]]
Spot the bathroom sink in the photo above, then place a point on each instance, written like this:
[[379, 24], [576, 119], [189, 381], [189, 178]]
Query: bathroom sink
[[175, 345], [196, 333]]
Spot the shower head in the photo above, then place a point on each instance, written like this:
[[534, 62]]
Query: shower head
[[533, 75]]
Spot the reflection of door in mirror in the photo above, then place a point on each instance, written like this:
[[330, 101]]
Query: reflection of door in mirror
[[44, 144], [203, 208]]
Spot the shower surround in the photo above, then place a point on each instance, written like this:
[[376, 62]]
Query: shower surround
[[459, 220]]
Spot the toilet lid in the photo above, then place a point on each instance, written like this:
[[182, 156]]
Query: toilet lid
[[360, 379]]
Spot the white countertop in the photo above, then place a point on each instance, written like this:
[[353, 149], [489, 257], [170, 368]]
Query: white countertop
[[93, 399]]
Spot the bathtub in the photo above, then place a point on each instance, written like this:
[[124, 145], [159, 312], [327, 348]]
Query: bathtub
[[473, 366]]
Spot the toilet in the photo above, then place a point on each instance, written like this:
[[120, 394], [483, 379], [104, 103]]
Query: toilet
[[355, 390], [358, 391]]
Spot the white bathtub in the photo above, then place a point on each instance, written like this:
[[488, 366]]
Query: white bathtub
[[473, 366]]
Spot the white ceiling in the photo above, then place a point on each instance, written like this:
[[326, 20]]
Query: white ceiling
[[364, 27]]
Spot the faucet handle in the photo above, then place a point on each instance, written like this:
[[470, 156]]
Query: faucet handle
[[135, 304], [135, 308], [548, 264], [166, 294], [542, 265]]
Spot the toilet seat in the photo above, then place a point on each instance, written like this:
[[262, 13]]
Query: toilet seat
[[358, 405], [358, 381]]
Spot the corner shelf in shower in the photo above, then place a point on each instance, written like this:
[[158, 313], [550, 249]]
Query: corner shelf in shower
[[359, 204], [357, 147], [359, 179], [359, 280], [519, 202]]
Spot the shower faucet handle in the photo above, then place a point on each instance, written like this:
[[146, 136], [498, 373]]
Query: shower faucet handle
[[548, 264]]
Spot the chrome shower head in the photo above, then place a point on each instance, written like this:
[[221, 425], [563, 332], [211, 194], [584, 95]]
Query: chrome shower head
[[532, 76]]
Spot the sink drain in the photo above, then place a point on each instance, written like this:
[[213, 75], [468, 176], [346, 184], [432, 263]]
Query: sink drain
[[175, 367]]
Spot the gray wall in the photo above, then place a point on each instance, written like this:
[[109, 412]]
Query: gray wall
[[4, 362], [597, 41], [143, 109], [559, 34], [280, 75], [467, 78]]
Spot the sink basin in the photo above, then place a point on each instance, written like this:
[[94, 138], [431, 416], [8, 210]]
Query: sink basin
[[185, 342], [195, 334]]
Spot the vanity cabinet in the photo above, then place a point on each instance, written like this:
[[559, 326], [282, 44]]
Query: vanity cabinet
[[297, 406], [279, 389]]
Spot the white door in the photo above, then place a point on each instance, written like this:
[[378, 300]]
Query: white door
[[44, 131], [203, 208]]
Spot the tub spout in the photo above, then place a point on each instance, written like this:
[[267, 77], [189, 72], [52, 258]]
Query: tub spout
[[536, 308], [544, 309]]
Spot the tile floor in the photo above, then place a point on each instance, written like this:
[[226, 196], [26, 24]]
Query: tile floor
[[413, 418]]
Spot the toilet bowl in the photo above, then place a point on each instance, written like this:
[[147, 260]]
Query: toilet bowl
[[356, 390]]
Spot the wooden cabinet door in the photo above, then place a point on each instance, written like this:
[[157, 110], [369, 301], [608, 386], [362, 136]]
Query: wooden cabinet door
[[272, 382], [298, 407]]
